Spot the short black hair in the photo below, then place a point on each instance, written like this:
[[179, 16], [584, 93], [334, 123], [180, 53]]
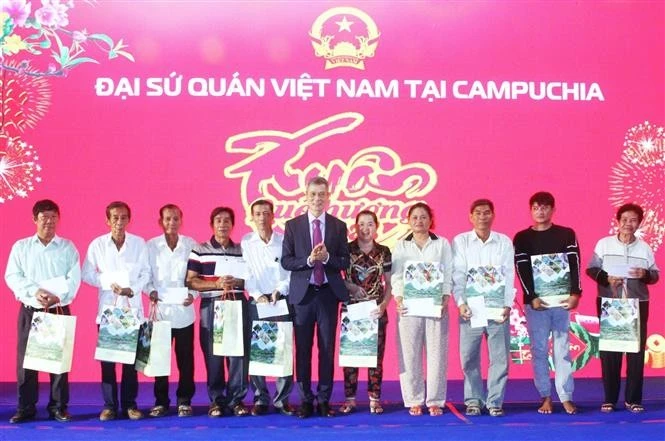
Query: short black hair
[[218, 210], [631, 207], [169, 207], [542, 198], [118, 204], [262, 202], [44, 205], [480, 203]]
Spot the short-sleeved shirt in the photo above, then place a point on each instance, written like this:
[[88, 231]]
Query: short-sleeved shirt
[[367, 269]]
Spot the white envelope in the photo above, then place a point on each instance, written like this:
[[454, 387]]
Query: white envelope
[[362, 310], [266, 310], [173, 296], [231, 266], [56, 285], [108, 278], [478, 311], [423, 307]]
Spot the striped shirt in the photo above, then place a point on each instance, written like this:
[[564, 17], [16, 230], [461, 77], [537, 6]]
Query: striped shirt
[[207, 256]]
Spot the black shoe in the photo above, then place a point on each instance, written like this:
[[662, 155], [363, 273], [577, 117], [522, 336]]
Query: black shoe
[[286, 409], [259, 409], [324, 409], [306, 410], [60, 415], [22, 416]]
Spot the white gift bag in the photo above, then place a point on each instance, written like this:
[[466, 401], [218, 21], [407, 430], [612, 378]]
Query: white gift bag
[[50, 343], [227, 335], [271, 349]]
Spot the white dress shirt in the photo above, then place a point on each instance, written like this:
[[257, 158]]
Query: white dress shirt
[[436, 249], [31, 262], [169, 270], [264, 261], [469, 251], [104, 256]]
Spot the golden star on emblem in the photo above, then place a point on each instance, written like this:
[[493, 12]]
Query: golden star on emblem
[[344, 25]]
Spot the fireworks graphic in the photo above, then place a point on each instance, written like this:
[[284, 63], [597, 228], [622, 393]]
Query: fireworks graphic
[[639, 177], [24, 99], [19, 170]]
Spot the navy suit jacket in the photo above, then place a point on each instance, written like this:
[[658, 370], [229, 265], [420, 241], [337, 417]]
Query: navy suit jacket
[[297, 246]]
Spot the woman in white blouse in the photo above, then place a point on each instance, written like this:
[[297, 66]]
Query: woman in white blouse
[[421, 281]]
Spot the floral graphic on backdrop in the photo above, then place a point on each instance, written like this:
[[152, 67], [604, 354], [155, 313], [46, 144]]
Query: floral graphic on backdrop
[[36, 44], [639, 177]]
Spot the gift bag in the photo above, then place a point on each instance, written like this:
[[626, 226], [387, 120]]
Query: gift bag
[[227, 335], [118, 334], [271, 350], [619, 325], [153, 355], [50, 343], [358, 342]]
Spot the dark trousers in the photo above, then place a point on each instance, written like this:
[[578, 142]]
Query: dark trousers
[[283, 385], [375, 375], [318, 309], [184, 355], [220, 391], [129, 386], [27, 380], [610, 363]]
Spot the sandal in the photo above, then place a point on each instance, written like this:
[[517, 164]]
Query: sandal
[[240, 410], [185, 410], [348, 407], [634, 408], [157, 411], [473, 410], [435, 411], [375, 407], [415, 411], [215, 411], [496, 411]]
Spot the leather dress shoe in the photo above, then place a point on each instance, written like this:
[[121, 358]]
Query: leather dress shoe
[[306, 410], [133, 414], [324, 409], [22, 416], [60, 415], [286, 410], [107, 415], [259, 409]]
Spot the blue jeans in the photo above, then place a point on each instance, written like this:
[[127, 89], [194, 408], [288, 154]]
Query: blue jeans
[[541, 324]]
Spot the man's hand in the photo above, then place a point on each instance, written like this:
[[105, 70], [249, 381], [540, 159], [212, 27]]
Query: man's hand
[[538, 304], [615, 282], [319, 253], [571, 302], [225, 283], [263, 299], [154, 297], [505, 315], [464, 311], [46, 299], [189, 300], [274, 297], [118, 290]]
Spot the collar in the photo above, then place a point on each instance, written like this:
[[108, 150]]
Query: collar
[[322, 218], [474, 237], [218, 245], [255, 237], [57, 240], [432, 236]]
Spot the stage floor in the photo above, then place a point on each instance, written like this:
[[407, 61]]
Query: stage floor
[[521, 421]]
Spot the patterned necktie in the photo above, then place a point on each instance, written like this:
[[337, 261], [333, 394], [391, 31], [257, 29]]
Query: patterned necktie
[[318, 265]]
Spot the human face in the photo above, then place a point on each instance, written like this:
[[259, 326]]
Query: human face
[[317, 198], [366, 228], [171, 221], [262, 216], [419, 221], [628, 223], [118, 220], [542, 214], [481, 218], [47, 222], [222, 226]]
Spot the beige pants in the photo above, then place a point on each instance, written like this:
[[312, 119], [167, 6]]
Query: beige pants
[[415, 335]]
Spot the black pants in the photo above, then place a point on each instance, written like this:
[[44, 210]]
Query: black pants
[[27, 380], [129, 386], [184, 355], [220, 392], [610, 363]]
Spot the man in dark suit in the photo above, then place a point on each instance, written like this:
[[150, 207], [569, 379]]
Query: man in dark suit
[[315, 250]]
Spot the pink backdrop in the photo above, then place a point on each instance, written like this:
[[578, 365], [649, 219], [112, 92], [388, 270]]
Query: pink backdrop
[[416, 127]]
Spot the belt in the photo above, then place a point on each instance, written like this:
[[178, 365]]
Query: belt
[[32, 308], [319, 287]]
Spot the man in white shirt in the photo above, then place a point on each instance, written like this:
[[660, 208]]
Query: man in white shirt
[[267, 283], [168, 255], [121, 252], [34, 265], [483, 268]]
